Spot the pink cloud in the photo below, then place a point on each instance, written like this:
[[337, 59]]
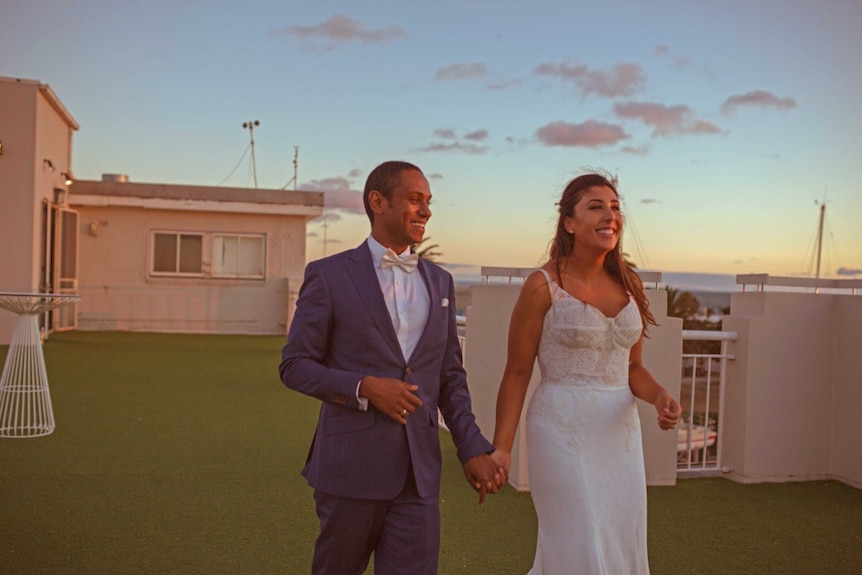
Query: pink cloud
[[682, 62], [340, 29], [457, 146], [337, 194], [760, 98], [563, 71], [327, 185], [329, 217], [589, 134], [477, 136], [462, 71], [704, 127], [642, 150], [454, 147], [679, 61], [622, 80], [505, 84], [665, 120]]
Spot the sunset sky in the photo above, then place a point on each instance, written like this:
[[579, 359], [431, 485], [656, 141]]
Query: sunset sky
[[725, 121]]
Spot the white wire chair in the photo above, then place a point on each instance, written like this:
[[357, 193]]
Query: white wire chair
[[25, 400]]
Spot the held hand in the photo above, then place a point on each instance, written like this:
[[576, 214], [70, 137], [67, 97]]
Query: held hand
[[503, 459], [483, 475], [390, 396], [668, 410]]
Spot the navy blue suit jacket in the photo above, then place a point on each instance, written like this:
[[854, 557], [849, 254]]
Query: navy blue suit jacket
[[341, 331]]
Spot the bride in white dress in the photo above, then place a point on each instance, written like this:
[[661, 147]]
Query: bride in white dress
[[583, 314]]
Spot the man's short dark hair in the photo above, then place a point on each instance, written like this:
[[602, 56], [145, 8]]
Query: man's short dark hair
[[384, 178]]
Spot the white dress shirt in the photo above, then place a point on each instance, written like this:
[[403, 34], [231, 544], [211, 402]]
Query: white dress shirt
[[407, 301]]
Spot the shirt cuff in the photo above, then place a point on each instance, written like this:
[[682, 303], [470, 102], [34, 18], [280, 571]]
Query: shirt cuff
[[362, 401]]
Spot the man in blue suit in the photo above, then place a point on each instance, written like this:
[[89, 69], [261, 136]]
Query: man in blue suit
[[374, 337]]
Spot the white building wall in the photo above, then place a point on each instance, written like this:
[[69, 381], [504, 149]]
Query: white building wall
[[781, 386], [485, 360], [117, 292], [36, 152], [846, 462], [663, 357]]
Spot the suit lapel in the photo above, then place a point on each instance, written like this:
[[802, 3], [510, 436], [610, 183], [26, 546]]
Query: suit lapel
[[364, 278], [435, 302]]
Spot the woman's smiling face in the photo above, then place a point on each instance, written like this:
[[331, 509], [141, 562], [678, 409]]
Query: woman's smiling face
[[597, 221]]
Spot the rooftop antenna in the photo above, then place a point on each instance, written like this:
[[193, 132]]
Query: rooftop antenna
[[295, 165], [295, 169], [250, 126], [325, 225]]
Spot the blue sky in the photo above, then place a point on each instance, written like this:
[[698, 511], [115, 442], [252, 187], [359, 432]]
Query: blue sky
[[723, 120]]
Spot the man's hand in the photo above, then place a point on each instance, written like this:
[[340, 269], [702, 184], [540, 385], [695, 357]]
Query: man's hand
[[391, 397], [484, 475]]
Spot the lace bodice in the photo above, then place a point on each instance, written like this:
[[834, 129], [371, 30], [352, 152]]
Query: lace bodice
[[581, 346]]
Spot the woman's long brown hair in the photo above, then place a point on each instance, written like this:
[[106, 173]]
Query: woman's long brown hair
[[563, 244]]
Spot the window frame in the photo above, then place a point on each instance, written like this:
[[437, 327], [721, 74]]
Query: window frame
[[208, 246], [238, 236]]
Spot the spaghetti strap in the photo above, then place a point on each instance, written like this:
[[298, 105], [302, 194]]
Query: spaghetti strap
[[553, 288], [557, 293]]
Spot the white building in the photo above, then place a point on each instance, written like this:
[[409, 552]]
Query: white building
[[143, 257]]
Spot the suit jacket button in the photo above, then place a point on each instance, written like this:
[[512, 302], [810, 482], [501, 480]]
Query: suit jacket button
[[408, 371]]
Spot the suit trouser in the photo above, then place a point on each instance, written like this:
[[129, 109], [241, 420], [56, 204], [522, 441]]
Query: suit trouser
[[403, 533]]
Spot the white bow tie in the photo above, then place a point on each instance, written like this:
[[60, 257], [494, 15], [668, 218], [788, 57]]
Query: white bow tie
[[391, 259]]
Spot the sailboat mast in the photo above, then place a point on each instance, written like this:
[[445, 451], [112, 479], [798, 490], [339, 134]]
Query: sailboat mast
[[820, 237]]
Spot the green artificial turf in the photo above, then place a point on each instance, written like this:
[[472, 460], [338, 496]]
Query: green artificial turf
[[181, 454]]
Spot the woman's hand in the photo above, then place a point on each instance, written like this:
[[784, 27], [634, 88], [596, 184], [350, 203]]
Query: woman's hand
[[504, 460], [668, 410]]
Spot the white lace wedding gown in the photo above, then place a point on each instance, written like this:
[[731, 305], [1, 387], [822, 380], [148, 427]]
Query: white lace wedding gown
[[584, 444]]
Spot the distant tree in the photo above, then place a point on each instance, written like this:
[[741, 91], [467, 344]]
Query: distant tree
[[629, 262], [682, 304], [685, 305], [427, 251]]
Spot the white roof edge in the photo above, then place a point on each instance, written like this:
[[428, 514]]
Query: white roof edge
[[49, 95], [58, 105], [196, 205]]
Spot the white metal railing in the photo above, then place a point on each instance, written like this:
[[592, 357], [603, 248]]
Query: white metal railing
[[760, 281], [699, 435]]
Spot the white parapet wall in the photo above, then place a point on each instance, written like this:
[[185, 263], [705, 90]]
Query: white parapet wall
[[485, 359], [794, 390]]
